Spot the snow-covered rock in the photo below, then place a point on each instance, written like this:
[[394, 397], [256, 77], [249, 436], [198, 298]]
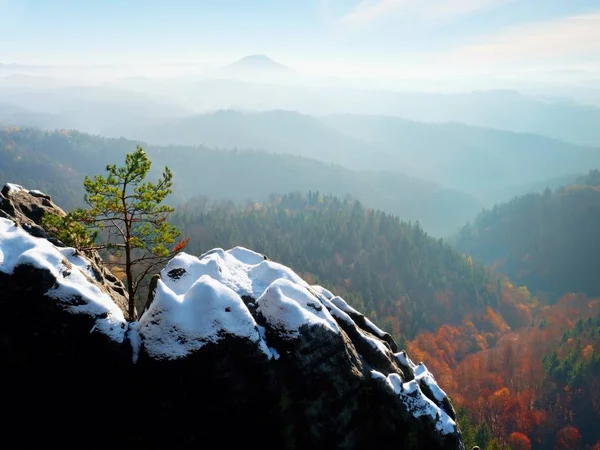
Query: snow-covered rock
[[72, 280], [237, 293], [27, 207], [231, 346], [73, 286]]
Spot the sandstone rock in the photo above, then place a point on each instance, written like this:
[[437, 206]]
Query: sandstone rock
[[232, 350], [26, 208]]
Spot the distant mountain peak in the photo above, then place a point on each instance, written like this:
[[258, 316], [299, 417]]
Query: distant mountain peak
[[257, 62]]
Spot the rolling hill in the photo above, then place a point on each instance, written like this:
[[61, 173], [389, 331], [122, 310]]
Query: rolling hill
[[56, 162], [547, 241], [480, 161]]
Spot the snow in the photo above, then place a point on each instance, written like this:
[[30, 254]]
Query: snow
[[15, 187], [422, 375], [263, 336], [374, 329], [378, 375], [341, 303], [178, 324], [322, 291], [135, 340], [338, 313], [404, 360], [76, 259], [425, 376], [416, 402], [287, 306], [18, 187], [342, 316], [375, 343], [17, 247], [395, 382], [246, 256], [199, 300], [244, 271]]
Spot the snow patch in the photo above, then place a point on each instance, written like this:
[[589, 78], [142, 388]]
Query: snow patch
[[178, 324], [338, 313], [264, 274], [344, 306], [378, 375], [17, 247], [341, 303], [76, 259], [135, 341], [15, 187], [244, 271], [425, 376], [18, 187], [375, 329], [322, 291], [274, 354], [404, 360], [396, 382], [246, 256], [375, 343], [287, 306], [188, 309], [419, 405], [416, 402]]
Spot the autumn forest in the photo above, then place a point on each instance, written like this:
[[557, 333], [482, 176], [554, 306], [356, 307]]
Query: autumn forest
[[505, 313]]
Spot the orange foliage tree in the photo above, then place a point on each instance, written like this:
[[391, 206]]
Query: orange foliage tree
[[519, 441], [567, 438]]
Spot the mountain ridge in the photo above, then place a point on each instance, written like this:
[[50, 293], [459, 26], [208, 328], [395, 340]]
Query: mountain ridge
[[257, 62], [44, 160], [473, 159]]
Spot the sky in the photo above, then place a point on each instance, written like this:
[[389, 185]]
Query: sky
[[361, 37]]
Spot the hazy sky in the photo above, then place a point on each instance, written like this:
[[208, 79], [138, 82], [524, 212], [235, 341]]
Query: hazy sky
[[361, 36]]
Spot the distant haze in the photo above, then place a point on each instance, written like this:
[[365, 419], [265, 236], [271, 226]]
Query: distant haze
[[530, 40], [483, 99]]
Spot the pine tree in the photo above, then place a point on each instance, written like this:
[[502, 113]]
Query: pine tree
[[126, 217]]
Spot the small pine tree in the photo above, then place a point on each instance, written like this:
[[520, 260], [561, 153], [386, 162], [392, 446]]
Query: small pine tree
[[126, 217]]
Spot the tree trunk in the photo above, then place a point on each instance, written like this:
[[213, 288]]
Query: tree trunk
[[130, 290]]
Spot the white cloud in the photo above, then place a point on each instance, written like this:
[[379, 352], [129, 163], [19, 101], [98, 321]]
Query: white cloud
[[368, 11], [569, 39]]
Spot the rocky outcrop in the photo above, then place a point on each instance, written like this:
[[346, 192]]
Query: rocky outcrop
[[28, 207], [231, 349]]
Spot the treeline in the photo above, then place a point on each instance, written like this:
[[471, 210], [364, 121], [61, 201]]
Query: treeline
[[549, 241], [391, 269]]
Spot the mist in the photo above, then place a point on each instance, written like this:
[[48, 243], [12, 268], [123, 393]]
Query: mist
[[479, 138]]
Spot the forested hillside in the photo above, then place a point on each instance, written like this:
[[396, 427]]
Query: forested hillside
[[517, 368], [56, 162], [393, 270], [538, 387], [549, 241]]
